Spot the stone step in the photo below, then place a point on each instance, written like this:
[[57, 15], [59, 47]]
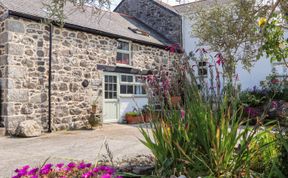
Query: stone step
[[2, 132]]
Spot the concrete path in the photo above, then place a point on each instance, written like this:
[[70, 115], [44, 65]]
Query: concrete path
[[76, 145]]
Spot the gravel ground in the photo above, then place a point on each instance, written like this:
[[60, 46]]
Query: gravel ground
[[63, 146]]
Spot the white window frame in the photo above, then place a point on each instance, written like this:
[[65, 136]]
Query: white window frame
[[124, 51], [133, 83], [202, 67]]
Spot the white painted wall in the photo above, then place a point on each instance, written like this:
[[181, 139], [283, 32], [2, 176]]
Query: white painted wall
[[248, 79], [128, 104]]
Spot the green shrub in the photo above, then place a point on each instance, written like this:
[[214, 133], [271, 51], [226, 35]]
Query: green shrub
[[204, 142], [253, 98], [266, 151]]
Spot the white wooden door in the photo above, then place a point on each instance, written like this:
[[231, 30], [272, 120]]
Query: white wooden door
[[111, 101]]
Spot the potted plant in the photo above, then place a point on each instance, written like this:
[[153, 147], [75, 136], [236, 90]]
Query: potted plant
[[147, 113], [94, 106], [133, 117]]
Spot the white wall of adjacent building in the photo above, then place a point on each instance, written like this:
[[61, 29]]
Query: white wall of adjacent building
[[248, 79]]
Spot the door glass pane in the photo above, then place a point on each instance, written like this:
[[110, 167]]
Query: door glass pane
[[110, 87]]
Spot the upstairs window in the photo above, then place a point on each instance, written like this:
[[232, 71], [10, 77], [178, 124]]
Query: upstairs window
[[123, 53], [202, 69]]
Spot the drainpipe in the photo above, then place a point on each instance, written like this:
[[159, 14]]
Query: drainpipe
[[50, 78]]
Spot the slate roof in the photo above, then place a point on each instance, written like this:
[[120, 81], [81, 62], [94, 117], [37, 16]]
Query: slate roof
[[167, 6], [110, 23], [188, 8]]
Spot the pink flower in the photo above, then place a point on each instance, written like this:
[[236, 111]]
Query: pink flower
[[60, 165], [87, 175], [33, 171], [219, 59], [182, 113], [106, 176]]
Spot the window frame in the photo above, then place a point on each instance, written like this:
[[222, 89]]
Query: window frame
[[133, 83], [124, 51], [202, 67]]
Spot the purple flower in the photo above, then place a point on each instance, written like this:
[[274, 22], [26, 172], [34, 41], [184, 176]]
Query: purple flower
[[274, 104], [106, 176], [87, 175], [60, 165], [96, 169], [82, 165], [71, 165], [34, 176], [48, 166], [25, 167], [44, 171], [33, 171], [88, 165]]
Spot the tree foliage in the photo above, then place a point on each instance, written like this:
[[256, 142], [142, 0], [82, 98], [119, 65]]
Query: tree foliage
[[233, 30]]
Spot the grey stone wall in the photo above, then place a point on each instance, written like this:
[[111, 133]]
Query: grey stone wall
[[3, 40], [75, 58], [164, 21]]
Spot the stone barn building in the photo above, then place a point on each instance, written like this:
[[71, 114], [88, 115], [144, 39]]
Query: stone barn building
[[53, 75]]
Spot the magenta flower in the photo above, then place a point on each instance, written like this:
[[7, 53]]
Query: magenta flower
[[82, 165], [33, 171], [106, 176], [60, 165], [71, 165], [88, 165], [87, 175], [96, 169]]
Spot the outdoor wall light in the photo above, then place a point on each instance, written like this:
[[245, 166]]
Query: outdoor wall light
[[85, 83]]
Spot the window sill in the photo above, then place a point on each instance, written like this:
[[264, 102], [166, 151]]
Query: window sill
[[123, 65], [132, 96]]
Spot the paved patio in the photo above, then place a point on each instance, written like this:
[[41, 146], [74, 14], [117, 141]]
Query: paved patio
[[62, 146]]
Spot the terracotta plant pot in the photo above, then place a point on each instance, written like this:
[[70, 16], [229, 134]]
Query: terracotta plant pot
[[147, 117], [94, 109], [134, 119], [175, 100]]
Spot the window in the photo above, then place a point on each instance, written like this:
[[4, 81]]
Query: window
[[123, 53], [132, 85], [202, 69], [110, 87]]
